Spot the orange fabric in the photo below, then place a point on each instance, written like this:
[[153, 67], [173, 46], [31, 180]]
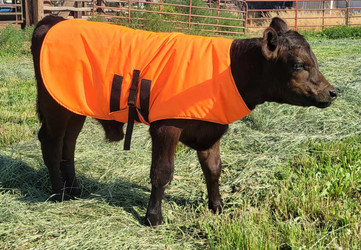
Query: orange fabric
[[191, 75]]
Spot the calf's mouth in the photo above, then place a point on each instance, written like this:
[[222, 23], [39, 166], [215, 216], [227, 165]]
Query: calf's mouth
[[332, 95]]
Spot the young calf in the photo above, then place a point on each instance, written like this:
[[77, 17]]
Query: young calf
[[279, 67]]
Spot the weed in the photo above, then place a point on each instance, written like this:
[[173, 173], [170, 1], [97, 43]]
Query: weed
[[342, 32], [14, 42]]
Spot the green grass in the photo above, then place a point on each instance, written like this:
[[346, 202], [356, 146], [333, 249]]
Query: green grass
[[15, 42], [291, 176], [337, 32], [17, 94], [342, 32], [314, 201], [17, 89]]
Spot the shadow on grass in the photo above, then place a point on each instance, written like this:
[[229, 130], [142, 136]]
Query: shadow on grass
[[34, 186]]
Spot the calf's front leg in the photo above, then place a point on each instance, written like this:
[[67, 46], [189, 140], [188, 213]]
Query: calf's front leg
[[210, 161], [164, 143]]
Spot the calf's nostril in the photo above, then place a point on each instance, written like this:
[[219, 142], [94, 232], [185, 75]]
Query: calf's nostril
[[333, 93]]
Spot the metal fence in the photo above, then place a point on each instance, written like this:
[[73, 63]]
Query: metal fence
[[11, 11], [221, 17], [229, 17], [308, 14]]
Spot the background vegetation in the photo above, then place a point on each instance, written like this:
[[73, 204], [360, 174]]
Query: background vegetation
[[290, 179], [338, 32], [176, 16]]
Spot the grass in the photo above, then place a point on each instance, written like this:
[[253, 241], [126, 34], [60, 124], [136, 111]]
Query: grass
[[15, 42], [314, 202], [16, 86], [290, 178], [342, 32]]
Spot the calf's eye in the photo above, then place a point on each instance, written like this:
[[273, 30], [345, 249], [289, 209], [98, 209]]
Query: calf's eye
[[298, 66]]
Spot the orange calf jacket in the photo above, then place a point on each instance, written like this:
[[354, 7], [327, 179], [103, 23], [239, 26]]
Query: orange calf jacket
[[88, 67]]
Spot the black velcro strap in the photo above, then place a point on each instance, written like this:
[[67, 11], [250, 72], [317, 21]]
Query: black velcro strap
[[144, 98], [132, 114], [115, 93], [132, 98]]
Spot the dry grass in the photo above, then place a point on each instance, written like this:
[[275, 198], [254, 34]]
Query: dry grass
[[290, 178]]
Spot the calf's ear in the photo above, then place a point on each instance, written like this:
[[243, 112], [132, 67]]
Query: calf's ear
[[270, 45], [279, 25]]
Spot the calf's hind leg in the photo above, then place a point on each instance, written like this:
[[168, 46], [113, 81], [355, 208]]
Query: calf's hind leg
[[51, 136], [164, 143], [210, 161], [57, 135], [67, 168]]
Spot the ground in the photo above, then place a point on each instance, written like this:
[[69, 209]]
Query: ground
[[290, 176]]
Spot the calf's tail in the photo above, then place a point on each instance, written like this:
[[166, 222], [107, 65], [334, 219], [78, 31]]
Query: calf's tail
[[36, 42]]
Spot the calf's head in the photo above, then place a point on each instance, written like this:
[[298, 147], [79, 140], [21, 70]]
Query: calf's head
[[293, 69]]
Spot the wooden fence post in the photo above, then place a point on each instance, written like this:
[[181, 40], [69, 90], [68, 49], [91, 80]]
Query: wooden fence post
[[347, 16], [218, 7], [296, 15], [67, 3], [38, 10], [129, 8], [323, 15], [26, 11], [160, 8], [245, 17], [190, 14]]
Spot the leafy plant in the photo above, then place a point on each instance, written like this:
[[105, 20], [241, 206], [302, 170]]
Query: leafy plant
[[14, 41], [337, 32], [174, 16], [342, 31]]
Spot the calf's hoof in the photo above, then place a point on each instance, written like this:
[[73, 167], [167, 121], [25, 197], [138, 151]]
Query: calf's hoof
[[153, 220], [114, 135], [216, 207], [74, 192], [60, 197]]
